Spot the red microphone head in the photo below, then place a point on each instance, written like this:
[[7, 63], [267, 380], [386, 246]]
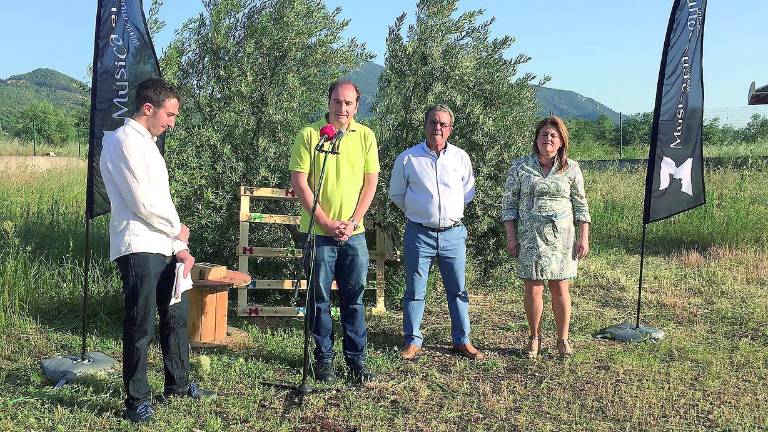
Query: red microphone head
[[328, 131]]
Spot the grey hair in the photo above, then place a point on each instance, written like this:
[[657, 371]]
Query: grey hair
[[438, 108]]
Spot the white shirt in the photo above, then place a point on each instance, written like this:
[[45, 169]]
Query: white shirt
[[143, 217], [432, 190]]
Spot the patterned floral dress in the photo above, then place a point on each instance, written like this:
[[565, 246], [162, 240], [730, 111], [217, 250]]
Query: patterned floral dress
[[546, 209]]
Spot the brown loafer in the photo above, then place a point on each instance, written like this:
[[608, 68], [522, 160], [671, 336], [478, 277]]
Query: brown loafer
[[469, 351], [410, 352]]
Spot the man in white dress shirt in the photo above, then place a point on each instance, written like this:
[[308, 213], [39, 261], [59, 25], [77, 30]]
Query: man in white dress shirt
[[432, 182], [146, 239]]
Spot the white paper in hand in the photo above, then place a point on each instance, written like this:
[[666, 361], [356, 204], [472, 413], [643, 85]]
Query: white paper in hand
[[180, 284]]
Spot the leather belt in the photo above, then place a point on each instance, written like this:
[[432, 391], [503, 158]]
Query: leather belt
[[440, 229]]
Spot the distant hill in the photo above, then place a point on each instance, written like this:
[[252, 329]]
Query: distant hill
[[18, 91], [569, 104], [562, 103], [67, 93], [367, 78]]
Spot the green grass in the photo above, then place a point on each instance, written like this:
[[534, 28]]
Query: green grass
[[704, 286], [598, 151]]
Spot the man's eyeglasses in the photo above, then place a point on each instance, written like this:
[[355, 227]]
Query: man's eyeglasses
[[435, 124]]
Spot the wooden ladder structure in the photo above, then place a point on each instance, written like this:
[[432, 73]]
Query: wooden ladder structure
[[245, 251]]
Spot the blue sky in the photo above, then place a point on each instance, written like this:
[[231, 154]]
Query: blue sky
[[606, 50]]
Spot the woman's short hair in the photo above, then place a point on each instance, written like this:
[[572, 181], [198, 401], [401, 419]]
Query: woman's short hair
[[559, 125]]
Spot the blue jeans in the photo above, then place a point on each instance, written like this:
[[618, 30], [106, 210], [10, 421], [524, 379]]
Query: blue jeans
[[347, 262], [147, 285], [422, 246]]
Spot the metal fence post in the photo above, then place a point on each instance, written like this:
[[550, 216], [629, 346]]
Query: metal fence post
[[34, 138], [621, 136]]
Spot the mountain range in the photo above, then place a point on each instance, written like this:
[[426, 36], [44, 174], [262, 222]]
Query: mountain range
[[67, 93], [562, 103]]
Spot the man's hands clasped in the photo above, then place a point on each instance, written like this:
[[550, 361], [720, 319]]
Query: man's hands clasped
[[340, 230]]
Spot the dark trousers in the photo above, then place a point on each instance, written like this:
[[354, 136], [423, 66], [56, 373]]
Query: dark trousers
[[347, 263], [148, 285]]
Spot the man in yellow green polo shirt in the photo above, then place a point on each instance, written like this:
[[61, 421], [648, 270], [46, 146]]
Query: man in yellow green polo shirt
[[341, 250]]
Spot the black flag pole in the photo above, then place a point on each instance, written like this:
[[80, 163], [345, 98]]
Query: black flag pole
[[123, 56], [674, 180], [640, 283], [86, 278]]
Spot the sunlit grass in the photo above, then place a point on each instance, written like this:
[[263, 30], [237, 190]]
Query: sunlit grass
[[704, 286]]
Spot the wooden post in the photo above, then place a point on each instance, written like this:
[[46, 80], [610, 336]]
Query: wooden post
[[381, 255], [242, 262]]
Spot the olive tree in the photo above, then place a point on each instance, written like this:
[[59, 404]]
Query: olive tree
[[450, 57], [250, 73]]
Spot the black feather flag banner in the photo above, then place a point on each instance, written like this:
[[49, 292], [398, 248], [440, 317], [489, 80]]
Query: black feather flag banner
[[123, 56], [675, 178]]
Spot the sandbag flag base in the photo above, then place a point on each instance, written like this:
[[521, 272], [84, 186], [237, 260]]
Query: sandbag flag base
[[66, 369], [627, 332]]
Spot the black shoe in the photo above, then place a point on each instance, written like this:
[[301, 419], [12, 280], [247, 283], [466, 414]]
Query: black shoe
[[141, 414], [324, 372], [193, 391], [359, 374]]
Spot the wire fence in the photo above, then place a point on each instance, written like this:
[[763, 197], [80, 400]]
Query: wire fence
[[736, 117], [731, 132]]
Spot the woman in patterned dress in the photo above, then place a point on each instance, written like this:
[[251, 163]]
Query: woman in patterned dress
[[543, 203]]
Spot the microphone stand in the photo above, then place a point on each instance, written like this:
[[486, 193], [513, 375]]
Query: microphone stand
[[308, 258]]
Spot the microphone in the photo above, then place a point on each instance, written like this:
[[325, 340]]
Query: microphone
[[335, 144], [327, 132]]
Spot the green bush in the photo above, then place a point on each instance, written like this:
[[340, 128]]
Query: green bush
[[44, 123]]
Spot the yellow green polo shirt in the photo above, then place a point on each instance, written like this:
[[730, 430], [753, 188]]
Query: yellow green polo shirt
[[344, 173]]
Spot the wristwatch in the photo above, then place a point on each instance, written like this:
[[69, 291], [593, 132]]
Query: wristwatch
[[355, 224]]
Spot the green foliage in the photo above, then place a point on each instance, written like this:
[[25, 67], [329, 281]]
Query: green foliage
[[592, 139], [43, 123], [251, 74], [637, 129], [154, 23], [51, 80], [40, 85], [42, 243], [756, 129], [450, 58], [602, 130]]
